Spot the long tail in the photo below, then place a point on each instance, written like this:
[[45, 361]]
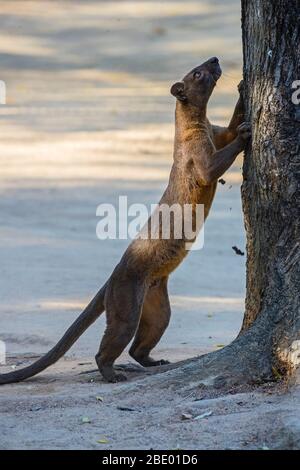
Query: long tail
[[87, 317]]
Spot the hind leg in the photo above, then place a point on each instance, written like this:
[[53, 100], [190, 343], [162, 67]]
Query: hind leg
[[123, 305], [154, 320]]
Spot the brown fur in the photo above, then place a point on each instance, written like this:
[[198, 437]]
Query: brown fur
[[135, 297]]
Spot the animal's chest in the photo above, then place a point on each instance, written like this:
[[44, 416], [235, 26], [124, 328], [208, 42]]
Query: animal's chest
[[172, 254]]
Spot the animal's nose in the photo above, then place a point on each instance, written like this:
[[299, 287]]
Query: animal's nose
[[214, 60]]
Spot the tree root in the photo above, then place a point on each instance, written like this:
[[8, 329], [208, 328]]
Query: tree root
[[246, 361]]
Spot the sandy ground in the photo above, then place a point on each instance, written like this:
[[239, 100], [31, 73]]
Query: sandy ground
[[88, 118]]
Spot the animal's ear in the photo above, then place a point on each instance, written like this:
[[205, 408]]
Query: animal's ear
[[178, 91]]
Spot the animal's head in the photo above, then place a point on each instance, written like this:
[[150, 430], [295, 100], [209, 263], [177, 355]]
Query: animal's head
[[197, 86]]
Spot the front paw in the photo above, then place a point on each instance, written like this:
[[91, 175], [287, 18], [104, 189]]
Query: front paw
[[244, 131]]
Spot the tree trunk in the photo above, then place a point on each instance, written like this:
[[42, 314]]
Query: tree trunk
[[271, 43], [268, 345]]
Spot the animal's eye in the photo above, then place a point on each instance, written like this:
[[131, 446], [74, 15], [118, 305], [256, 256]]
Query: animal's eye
[[198, 75]]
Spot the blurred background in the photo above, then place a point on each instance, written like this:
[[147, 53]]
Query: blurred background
[[89, 117]]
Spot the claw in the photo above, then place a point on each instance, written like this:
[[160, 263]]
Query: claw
[[244, 130]]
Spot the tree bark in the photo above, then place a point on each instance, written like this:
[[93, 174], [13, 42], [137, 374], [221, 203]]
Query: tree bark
[[271, 45], [268, 345]]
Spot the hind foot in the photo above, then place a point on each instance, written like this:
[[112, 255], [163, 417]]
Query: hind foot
[[110, 375], [117, 378], [149, 362]]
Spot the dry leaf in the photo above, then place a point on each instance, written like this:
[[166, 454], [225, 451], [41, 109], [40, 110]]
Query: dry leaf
[[103, 441], [203, 415], [85, 420], [186, 416]]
